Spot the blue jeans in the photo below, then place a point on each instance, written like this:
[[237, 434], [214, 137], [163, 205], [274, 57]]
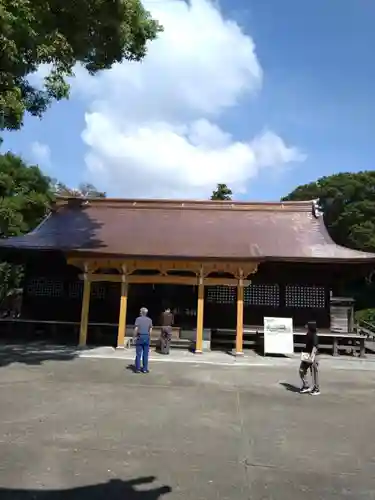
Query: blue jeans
[[142, 347]]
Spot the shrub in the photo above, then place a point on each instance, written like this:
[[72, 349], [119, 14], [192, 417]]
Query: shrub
[[365, 315]]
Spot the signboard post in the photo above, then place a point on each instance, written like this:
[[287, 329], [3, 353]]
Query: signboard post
[[278, 336]]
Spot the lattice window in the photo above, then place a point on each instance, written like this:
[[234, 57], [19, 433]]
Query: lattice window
[[98, 291], [75, 289], [262, 295], [44, 287], [312, 297], [222, 294]]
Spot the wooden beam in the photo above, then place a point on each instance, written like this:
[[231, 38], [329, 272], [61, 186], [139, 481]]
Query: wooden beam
[[93, 278], [239, 327], [162, 280], [163, 266], [85, 312]]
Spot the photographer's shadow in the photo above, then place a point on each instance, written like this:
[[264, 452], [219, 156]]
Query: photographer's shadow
[[115, 489]]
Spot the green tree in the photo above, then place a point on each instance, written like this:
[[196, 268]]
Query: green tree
[[222, 192], [347, 201], [84, 190], [25, 198], [96, 33]]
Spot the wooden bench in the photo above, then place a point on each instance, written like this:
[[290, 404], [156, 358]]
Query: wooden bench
[[53, 325], [176, 340], [156, 332], [350, 342], [257, 333], [217, 339], [10, 323]]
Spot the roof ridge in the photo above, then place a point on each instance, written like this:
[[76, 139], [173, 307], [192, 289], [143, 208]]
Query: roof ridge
[[186, 204]]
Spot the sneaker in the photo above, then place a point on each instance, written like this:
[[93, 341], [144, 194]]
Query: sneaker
[[315, 392], [145, 371], [305, 390]]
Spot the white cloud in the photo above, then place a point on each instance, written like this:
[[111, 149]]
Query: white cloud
[[41, 153], [37, 78], [151, 127]]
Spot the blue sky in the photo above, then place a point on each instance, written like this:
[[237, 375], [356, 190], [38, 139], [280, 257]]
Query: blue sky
[[316, 94]]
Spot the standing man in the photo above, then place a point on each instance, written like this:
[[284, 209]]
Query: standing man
[[309, 359], [142, 332], [167, 320]]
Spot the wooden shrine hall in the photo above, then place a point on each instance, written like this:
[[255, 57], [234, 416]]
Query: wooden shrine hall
[[217, 264]]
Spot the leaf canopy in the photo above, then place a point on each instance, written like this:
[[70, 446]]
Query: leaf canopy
[[222, 192], [96, 33], [25, 196], [348, 204]]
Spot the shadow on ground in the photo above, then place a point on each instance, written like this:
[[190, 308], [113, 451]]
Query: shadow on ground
[[113, 490], [290, 387], [35, 353]]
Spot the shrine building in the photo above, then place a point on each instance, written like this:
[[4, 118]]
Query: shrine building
[[216, 264]]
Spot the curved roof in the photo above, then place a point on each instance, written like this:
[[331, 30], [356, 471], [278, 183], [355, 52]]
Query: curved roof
[[187, 229]]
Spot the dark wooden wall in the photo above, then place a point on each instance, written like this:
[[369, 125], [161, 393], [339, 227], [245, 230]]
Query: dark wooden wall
[[54, 292], [277, 290], [59, 297]]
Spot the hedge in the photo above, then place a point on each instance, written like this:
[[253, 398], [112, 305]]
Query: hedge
[[365, 315]]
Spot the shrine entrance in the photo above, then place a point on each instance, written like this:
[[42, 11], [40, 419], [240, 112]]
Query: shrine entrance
[[181, 299]]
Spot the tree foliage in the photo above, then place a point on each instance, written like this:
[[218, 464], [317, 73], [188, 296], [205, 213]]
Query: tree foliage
[[222, 192], [25, 199], [348, 204], [84, 190], [25, 196], [365, 315], [96, 33]]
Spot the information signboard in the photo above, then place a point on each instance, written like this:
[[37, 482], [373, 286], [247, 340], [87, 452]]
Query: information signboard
[[278, 336]]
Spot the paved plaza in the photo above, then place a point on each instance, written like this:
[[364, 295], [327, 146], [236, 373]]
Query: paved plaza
[[73, 428]]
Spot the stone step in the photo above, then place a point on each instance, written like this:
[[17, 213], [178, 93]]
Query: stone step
[[175, 343]]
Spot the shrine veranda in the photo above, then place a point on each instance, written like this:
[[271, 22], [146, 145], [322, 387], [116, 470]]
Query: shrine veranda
[[217, 265]]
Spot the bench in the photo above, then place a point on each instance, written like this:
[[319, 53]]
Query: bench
[[339, 340], [52, 326], [176, 342], [32, 324], [250, 338], [156, 332], [67, 329]]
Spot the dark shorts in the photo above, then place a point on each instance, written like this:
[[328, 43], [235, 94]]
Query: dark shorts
[[304, 366]]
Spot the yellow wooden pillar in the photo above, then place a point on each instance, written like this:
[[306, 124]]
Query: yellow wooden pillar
[[85, 311], [239, 328], [200, 314], [122, 316]]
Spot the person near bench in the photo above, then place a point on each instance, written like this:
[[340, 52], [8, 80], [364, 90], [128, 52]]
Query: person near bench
[[309, 360], [142, 332], [166, 322]]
